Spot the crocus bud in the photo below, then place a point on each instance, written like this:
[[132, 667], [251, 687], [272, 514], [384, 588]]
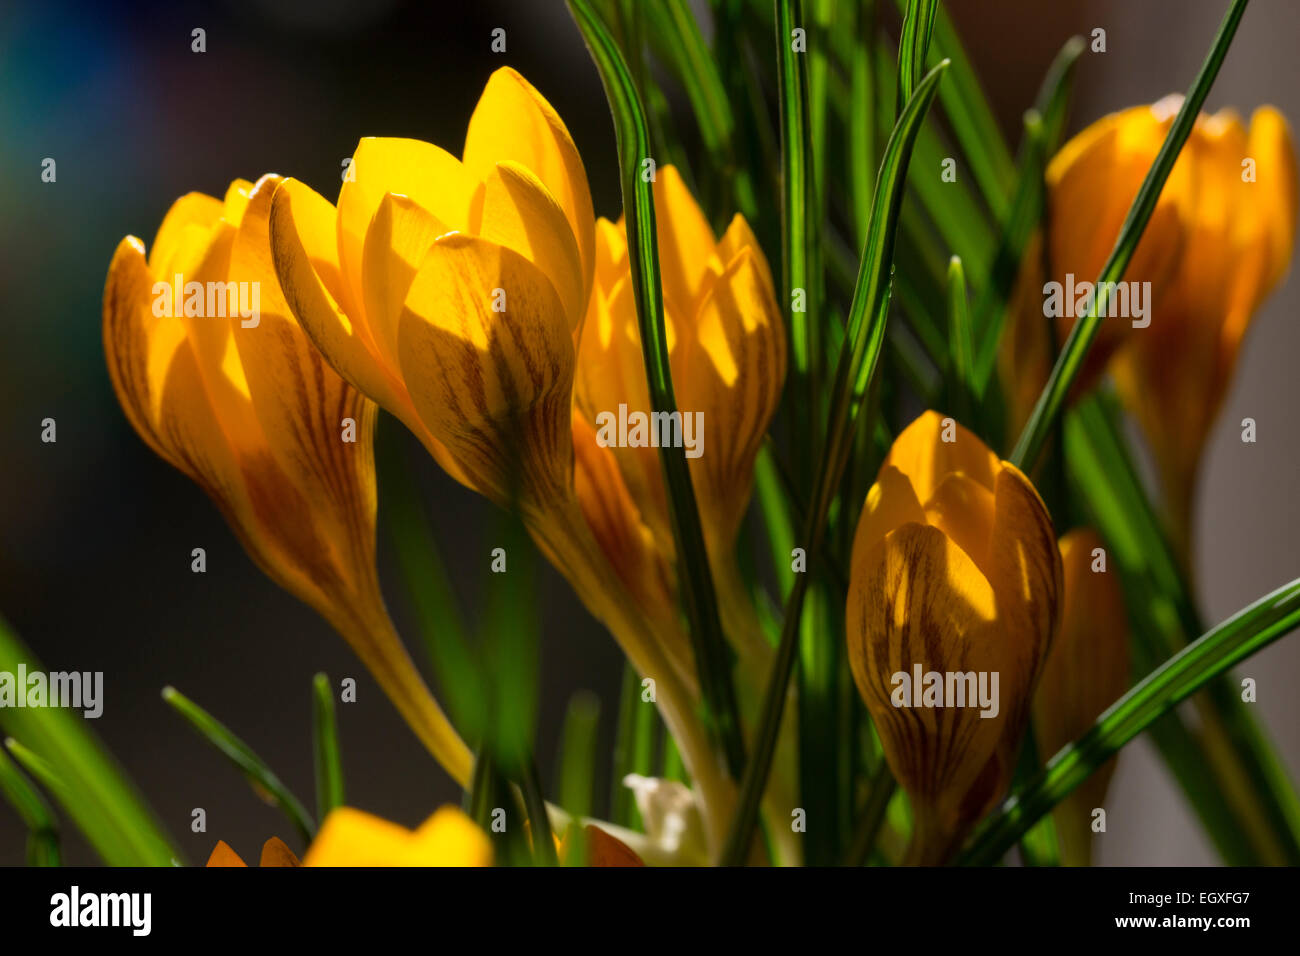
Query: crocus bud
[[1091, 183], [726, 347], [451, 291], [1235, 195], [953, 600], [216, 376], [1086, 671], [351, 837]]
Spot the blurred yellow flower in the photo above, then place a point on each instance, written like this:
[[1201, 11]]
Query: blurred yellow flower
[[955, 579], [351, 837], [1086, 671], [1234, 193], [1219, 240], [248, 409]]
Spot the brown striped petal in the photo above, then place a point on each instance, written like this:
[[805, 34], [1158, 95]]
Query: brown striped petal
[[494, 387], [918, 599]]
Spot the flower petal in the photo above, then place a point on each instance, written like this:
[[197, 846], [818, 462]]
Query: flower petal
[[427, 174], [223, 855], [513, 121], [276, 853], [687, 247], [450, 838], [516, 210], [731, 373], [494, 387], [917, 599], [926, 459]]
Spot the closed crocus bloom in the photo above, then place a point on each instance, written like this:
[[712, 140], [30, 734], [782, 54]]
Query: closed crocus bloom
[[726, 349], [351, 837], [1086, 671], [451, 291], [236, 397], [1237, 217], [955, 574], [1091, 183]]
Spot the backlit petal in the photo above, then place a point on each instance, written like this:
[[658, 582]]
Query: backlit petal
[[493, 386], [513, 121]]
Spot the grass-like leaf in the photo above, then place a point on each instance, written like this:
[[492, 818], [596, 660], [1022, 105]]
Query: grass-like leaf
[[325, 738], [695, 576], [961, 345], [106, 808], [913, 46], [683, 46], [1070, 361], [34, 811], [244, 759], [1246, 632], [864, 335]]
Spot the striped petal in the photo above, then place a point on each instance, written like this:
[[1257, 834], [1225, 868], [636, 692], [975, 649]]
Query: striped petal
[[493, 386]]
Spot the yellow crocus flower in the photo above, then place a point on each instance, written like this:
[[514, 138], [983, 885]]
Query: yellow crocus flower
[[1220, 239], [249, 410], [1236, 208], [451, 291], [350, 837], [727, 352], [1086, 671], [955, 572]]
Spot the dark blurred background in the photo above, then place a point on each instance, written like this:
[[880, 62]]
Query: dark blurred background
[[96, 532]]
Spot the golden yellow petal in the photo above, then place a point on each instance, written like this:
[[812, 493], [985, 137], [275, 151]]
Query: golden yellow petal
[[191, 211], [513, 121], [1024, 567], [921, 454], [426, 174], [963, 509], [515, 210], [493, 386], [611, 254], [732, 373], [687, 247], [396, 243], [891, 502], [450, 838], [350, 837], [1273, 149]]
